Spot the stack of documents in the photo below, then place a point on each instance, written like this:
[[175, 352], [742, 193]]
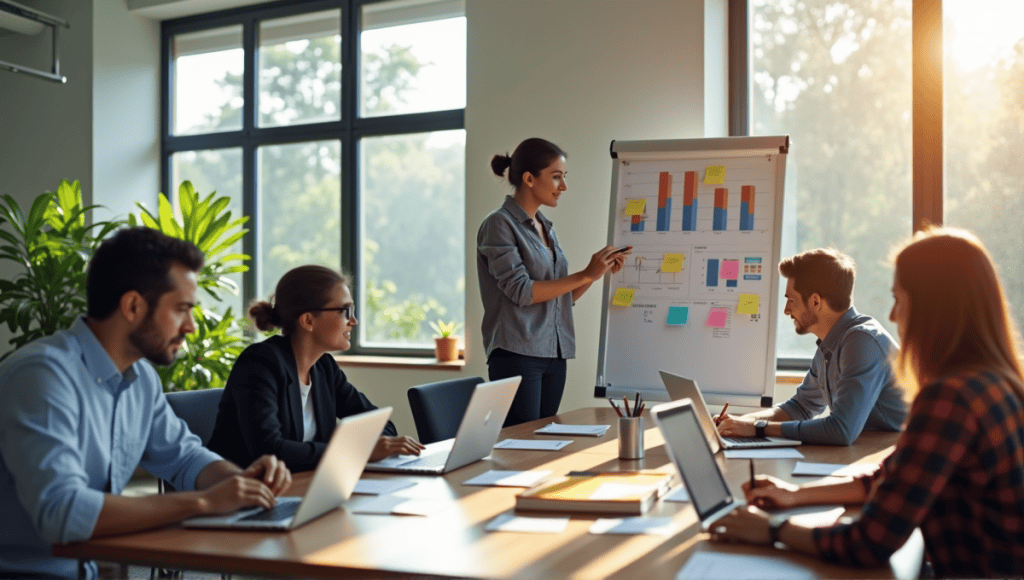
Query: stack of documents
[[581, 430], [613, 492]]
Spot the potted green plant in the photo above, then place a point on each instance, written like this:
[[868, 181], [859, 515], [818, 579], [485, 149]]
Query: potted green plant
[[52, 246], [446, 346]]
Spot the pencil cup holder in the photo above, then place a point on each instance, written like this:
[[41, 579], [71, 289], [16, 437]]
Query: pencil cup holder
[[631, 438]]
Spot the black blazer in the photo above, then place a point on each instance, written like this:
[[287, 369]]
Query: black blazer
[[261, 410]]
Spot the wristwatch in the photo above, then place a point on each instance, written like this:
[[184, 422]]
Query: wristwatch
[[759, 427], [774, 528]]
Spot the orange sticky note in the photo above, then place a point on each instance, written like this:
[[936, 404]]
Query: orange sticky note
[[749, 304], [672, 263], [714, 175], [623, 297], [717, 317], [636, 207]]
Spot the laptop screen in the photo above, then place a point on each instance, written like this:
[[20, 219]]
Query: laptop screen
[[693, 458]]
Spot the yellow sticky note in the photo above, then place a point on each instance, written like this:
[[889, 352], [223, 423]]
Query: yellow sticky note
[[672, 263], [714, 175], [749, 304], [636, 207], [623, 297]]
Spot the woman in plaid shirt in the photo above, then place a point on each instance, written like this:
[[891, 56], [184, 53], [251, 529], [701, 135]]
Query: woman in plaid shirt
[[957, 471]]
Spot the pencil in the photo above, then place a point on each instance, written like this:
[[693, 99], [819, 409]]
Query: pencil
[[625, 402], [722, 414], [636, 405], [617, 411], [751, 474]]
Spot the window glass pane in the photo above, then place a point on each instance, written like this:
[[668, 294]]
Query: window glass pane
[[412, 200], [208, 81], [299, 200], [984, 130], [836, 77], [300, 69], [217, 170], [413, 58]]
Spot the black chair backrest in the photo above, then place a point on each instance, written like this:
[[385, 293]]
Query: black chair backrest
[[437, 408], [198, 409]]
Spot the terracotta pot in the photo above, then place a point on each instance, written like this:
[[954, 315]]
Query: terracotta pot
[[447, 348]]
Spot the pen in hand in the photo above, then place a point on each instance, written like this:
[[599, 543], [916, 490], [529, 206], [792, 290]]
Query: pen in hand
[[751, 474], [722, 414]]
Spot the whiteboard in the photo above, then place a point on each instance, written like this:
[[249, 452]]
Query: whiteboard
[[712, 317]]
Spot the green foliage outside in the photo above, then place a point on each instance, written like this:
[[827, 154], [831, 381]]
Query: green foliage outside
[[53, 245]]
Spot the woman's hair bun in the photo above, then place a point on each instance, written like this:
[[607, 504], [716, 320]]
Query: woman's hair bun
[[499, 163], [264, 315]]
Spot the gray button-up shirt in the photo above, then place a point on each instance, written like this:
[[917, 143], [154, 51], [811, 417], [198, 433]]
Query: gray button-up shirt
[[510, 255], [852, 375]]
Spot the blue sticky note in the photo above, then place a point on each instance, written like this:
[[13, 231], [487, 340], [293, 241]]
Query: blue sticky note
[[678, 315]]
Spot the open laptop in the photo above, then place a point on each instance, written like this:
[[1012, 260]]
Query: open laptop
[[692, 455], [335, 478], [474, 440], [683, 388]]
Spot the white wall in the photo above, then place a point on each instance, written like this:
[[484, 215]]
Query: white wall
[[46, 127]]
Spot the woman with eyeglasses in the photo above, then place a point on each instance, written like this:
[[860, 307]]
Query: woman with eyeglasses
[[284, 394]]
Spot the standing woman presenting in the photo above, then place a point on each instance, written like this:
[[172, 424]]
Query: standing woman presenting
[[525, 284]]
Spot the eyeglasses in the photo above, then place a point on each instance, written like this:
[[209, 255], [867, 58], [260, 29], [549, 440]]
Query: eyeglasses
[[349, 312]]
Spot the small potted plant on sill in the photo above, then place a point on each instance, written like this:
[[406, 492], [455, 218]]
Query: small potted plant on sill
[[446, 346]]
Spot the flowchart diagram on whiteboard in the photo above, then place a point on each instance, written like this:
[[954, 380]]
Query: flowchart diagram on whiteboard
[[698, 295]]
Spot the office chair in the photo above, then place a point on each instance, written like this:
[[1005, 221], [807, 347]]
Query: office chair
[[437, 408], [199, 411]]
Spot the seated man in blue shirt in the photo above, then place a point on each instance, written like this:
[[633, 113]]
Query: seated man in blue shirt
[[81, 410], [850, 372]]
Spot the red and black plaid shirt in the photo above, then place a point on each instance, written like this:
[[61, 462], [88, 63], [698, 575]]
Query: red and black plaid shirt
[[957, 473]]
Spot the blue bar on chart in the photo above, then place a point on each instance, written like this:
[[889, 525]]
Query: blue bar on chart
[[721, 209], [712, 272], [730, 283], [664, 200], [747, 208], [690, 201], [637, 223]]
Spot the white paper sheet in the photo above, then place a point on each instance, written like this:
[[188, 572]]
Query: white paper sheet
[[678, 495], [717, 566], [637, 525], [614, 490], [553, 445], [509, 523], [765, 453], [582, 430], [502, 478], [833, 469], [381, 486], [390, 504]]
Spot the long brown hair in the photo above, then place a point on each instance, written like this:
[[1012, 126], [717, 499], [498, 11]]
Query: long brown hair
[[958, 316]]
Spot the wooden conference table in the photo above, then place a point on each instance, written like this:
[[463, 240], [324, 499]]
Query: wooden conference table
[[453, 543]]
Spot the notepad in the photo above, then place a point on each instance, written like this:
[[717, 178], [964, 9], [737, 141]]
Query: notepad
[[532, 444], [612, 492], [583, 430], [521, 524], [503, 478]]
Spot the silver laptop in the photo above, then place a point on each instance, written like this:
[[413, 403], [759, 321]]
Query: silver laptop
[[474, 440], [335, 478], [695, 461], [683, 388]]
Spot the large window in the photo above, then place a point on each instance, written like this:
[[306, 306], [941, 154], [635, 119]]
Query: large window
[[837, 76], [337, 127]]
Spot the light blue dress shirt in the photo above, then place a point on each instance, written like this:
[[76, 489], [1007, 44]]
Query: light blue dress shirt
[[851, 375], [73, 428]]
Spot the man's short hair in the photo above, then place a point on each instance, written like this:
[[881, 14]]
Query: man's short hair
[[137, 259], [826, 271]]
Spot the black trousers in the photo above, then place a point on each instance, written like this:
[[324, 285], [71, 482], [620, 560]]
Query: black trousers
[[539, 393]]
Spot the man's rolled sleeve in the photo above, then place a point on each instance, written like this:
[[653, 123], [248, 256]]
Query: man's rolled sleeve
[[498, 245], [805, 403], [39, 444]]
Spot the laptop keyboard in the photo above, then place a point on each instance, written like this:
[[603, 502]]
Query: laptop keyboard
[[278, 512], [429, 462], [746, 439]]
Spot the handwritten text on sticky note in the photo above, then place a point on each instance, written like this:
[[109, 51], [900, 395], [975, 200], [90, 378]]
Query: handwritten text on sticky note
[[678, 315], [730, 270], [623, 297], [636, 207], [714, 175], [717, 317], [749, 304], [672, 263]]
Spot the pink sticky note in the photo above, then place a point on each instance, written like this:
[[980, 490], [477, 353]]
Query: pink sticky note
[[730, 270], [717, 317]]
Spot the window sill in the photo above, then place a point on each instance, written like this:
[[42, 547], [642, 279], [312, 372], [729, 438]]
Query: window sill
[[398, 362]]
